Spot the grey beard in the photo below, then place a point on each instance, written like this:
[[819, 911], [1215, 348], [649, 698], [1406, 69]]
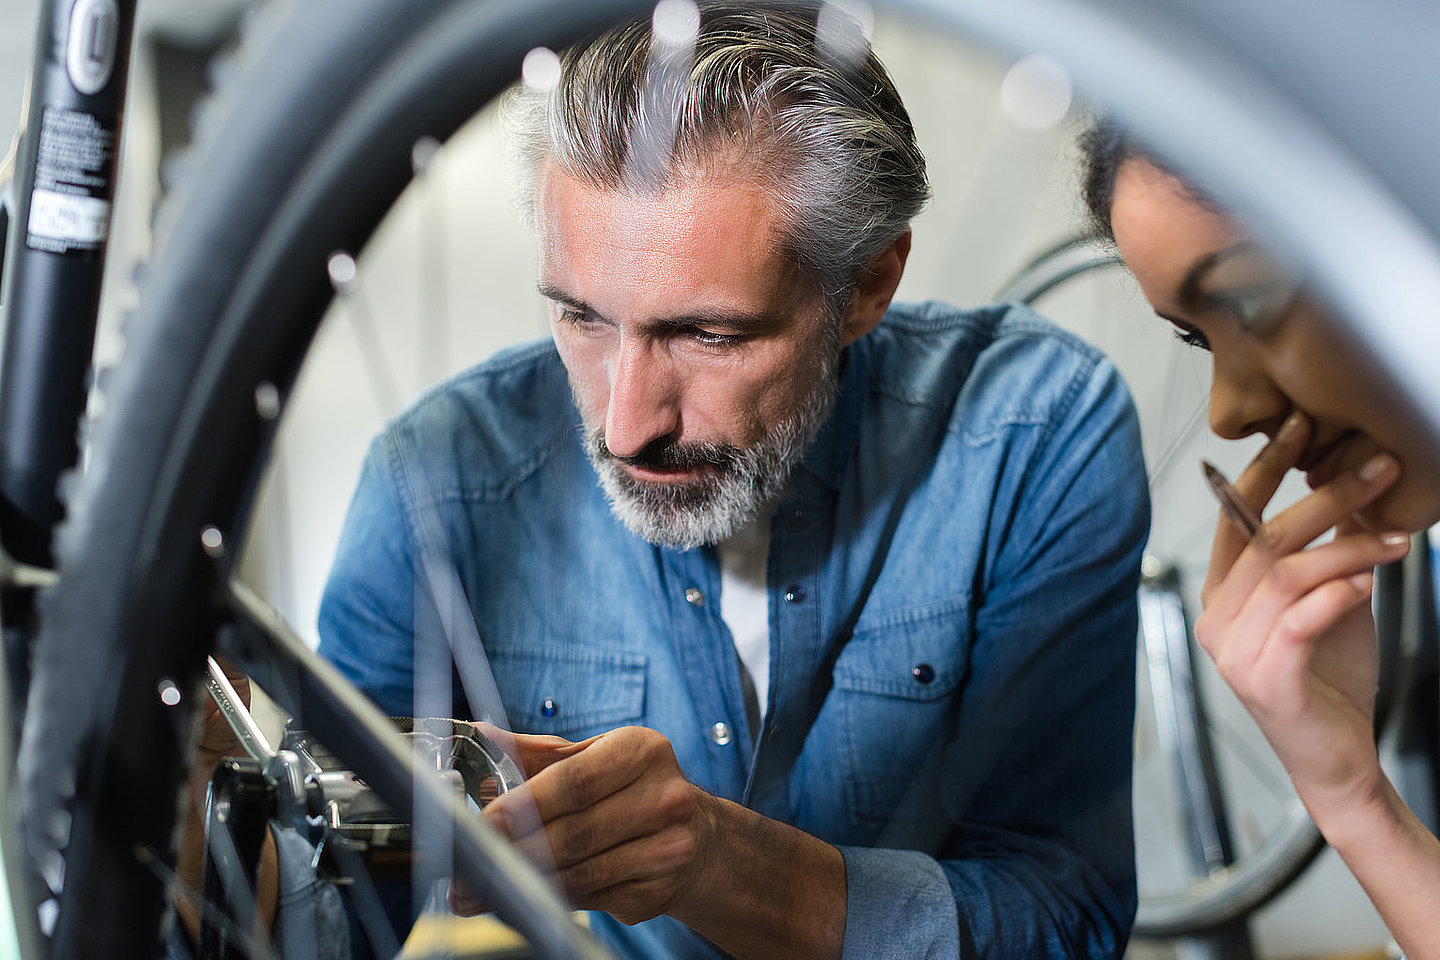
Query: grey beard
[[737, 485]]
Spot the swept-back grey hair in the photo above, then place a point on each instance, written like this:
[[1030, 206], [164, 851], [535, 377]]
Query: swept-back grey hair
[[809, 114]]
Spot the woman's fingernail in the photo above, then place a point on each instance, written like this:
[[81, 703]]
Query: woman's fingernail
[[1290, 428], [1376, 466], [1395, 539]]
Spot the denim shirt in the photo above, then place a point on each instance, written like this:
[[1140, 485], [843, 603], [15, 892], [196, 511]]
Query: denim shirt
[[972, 758]]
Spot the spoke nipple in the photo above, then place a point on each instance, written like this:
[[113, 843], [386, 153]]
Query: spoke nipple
[[341, 267], [422, 154], [541, 70], [169, 692], [213, 541], [676, 23], [267, 400]]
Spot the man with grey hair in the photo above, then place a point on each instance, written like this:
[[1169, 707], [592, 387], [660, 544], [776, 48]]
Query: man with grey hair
[[836, 658]]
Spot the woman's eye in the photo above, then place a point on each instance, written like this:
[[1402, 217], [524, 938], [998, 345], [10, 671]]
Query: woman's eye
[[1192, 338]]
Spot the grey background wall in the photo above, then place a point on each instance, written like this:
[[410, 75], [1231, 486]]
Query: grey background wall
[[1003, 191]]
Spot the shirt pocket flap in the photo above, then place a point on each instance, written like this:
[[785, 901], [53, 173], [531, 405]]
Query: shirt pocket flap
[[569, 691], [912, 654]]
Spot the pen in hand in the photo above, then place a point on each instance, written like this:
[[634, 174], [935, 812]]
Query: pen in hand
[[1230, 500]]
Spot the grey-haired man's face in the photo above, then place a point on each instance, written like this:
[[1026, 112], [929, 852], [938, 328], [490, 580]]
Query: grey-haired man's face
[[700, 363]]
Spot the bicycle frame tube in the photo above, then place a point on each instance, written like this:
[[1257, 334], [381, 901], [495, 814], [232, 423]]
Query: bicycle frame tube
[[54, 260]]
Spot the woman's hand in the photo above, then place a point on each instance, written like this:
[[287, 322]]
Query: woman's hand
[[1290, 628]]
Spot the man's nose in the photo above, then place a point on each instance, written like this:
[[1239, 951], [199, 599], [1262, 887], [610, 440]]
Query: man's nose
[[643, 399], [1244, 400]]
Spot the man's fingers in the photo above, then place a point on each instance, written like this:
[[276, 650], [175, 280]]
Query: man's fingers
[[533, 752], [647, 806], [594, 770], [463, 904], [654, 858]]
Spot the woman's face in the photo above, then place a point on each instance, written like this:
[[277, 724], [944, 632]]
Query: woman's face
[[1273, 351]]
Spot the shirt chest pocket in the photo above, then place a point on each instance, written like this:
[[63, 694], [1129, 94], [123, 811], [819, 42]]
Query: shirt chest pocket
[[569, 691], [896, 685]]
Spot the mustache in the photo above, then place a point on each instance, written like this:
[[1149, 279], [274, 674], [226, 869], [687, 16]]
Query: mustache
[[666, 454]]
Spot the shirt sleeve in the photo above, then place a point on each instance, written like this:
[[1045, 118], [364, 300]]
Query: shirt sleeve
[[367, 612], [1045, 862], [1037, 858], [898, 904]]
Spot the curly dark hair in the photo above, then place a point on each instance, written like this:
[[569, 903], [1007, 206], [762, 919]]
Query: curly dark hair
[[1104, 146]]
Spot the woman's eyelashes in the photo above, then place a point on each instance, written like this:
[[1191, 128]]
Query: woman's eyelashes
[[1190, 336]]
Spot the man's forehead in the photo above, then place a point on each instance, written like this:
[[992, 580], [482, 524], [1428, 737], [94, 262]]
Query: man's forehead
[[700, 237]]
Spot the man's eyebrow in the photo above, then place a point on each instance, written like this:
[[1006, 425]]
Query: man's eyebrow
[[740, 320], [551, 292]]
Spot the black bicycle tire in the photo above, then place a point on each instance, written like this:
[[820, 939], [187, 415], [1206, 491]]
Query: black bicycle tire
[[134, 598]]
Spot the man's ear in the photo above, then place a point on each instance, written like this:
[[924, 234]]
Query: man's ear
[[875, 290]]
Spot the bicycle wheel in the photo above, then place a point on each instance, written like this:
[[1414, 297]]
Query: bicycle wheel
[[231, 305]]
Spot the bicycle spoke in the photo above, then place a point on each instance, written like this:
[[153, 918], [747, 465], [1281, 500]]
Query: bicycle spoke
[[1182, 437], [432, 321], [1235, 740], [176, 886], [343, 279]]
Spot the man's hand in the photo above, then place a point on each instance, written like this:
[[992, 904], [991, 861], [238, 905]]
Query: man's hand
[[617, 822], [614, 819], [215, 742]]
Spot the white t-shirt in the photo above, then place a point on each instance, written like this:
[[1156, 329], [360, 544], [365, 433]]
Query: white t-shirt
[[745, 603]]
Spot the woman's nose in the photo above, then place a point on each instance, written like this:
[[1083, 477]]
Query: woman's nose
[[1244, 400]]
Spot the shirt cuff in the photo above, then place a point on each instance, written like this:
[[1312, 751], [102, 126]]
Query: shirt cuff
[[899, 906]]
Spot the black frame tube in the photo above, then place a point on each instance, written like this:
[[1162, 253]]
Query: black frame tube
[[66, 161]]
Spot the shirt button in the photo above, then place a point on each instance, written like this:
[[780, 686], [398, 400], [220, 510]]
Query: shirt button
[[694, 597], [721, 734], [795, 520], [924, 673], [794, 594], [548, 708]]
